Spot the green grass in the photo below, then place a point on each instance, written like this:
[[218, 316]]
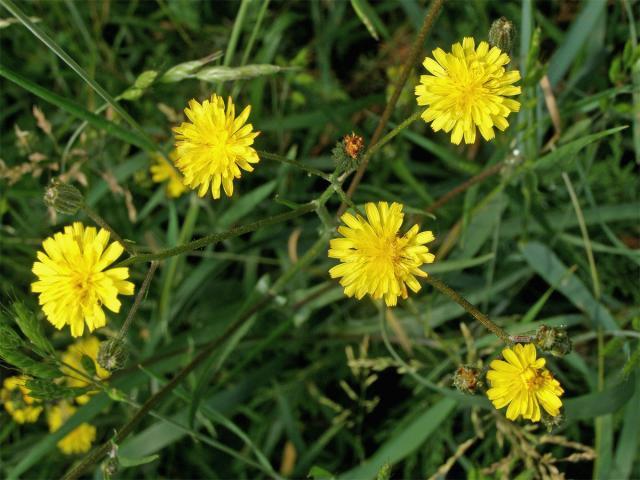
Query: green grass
[[245, 347]]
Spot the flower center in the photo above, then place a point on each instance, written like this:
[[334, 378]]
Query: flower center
[[83, 286], [531, 379]]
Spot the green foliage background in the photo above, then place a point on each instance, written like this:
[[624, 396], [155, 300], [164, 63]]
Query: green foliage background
[[511, 244]]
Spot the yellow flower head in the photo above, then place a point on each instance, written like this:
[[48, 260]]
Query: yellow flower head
[[161, 171], [74, 281], [375, 259], [467, 89], [72, 358], [214, 145], [524, 384], [17, 402], [79, 440]]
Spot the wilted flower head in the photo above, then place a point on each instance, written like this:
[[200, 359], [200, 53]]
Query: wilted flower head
[[214, 145], [375, 259], [522, 383], [74, 281], [467, 89]]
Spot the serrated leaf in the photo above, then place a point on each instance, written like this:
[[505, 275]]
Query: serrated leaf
[[47, 390], [31, 327]]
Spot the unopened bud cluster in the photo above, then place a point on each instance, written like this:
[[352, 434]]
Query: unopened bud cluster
[[113, 354], [63, 198], [554, 340], [467, 379]]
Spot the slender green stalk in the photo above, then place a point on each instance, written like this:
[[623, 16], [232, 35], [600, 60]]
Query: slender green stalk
[[418, 45], [288, 161], [391, 135], [471, 310], [139, 297], [93, 215], [585, 236], [218, 237]]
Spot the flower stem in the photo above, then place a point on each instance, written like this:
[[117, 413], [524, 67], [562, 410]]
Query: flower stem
[[391, 135], [139, 297], [471, 310], [93, 215], [218, 237], [418, 45]]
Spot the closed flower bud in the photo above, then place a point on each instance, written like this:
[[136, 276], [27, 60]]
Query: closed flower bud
[[501, 34], [63, 198], [113, 355], [554, 340], [466, 379], [551, 422], [347, 153]]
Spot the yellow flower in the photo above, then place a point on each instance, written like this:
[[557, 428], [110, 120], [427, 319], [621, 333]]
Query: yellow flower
[[73, 358], [214, 145], [161, 171], [375, 259], [79, 440], [467, 90], [73, 280], [17, 402], [524, 384]]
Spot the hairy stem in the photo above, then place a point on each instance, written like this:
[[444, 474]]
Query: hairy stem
[[139, 297], [218, 237], [418, 45], [471, 310]]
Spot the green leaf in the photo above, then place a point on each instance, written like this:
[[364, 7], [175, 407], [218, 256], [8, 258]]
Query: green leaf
[[127, 462], [319, 473], [227, 74], [575, 39], [548, 266], [76, 110], [88, 365], [48, 390], [405, 441], [31, 327], [587, 407], [369, 18], [562, 156]]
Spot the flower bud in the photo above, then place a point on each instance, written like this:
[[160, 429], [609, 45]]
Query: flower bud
[[551, 422], [466, 379], [554, 340], [348, 152], [113, 354], [501, 34], [63, 198]]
